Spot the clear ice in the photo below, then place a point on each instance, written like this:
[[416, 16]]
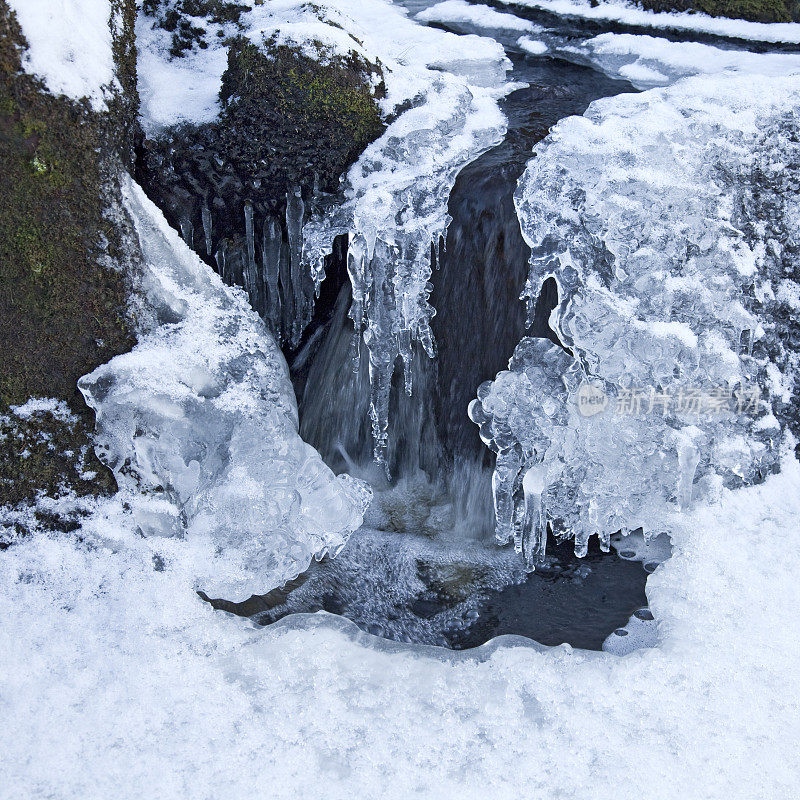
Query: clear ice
[[199, 425], [648, 212]]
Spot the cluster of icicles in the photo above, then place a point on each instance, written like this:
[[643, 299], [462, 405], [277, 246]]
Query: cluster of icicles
[[270, 266], [282, 275]]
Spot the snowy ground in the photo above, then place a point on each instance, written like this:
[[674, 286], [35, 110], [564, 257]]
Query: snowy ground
[[119, 681]]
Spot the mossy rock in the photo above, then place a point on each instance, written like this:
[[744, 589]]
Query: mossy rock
[[277, 100], [44, 454], [288, 120], [751, 10], [63, 296]]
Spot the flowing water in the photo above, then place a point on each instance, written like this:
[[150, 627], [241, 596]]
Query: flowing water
[[424, 567]]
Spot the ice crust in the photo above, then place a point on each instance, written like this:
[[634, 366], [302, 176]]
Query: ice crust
[[648, 61], [199, 424], [70, 46], [649, 213], [476, 14]]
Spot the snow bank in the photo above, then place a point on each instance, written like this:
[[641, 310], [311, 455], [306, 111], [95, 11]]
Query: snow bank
[[477, 15], [648, 61], [629, 15], [199, 424], [117, 681], [69, 46]]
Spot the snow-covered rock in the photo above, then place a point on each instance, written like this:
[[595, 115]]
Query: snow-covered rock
[[648, 61], [70, 46], [629, 14]]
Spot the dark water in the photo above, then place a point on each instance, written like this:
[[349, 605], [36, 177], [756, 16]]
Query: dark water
[[400, 586], [479, 317]]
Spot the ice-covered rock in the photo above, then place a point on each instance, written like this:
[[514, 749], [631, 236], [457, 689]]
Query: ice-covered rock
[[199, 425], [648, 61], [669, 222]]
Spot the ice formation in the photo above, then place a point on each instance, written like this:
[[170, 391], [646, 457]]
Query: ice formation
[[440, 93], [460, 11], [395, 209], [648, 61], [650, 213], [199, 424], [201, 704]]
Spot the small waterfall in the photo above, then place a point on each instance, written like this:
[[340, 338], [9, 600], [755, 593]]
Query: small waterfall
[[479, 320]]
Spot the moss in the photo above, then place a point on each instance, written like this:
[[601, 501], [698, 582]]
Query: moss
[[63, 307], [752, 10], [316, 114], [44, 454]]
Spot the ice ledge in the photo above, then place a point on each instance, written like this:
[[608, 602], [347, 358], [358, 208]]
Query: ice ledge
[[199, 424]]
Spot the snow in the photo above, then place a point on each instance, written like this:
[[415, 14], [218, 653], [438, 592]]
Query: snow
[[49, 405], [185, 89], [533, 47], [648, 61], [199, 424], [69, 46], [628, 14], [477, 15], [178, 90], [118, 681]]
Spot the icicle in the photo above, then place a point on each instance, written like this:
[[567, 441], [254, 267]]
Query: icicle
[[187, 231], [381, 382], [287, 308], [404, 348], [250, 274], [219, 257], [532, 540], [271, 263], [504, 477], [382, 354], [688, 459], [295, 210], [207, 228], [356, 269], [581, 543]]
